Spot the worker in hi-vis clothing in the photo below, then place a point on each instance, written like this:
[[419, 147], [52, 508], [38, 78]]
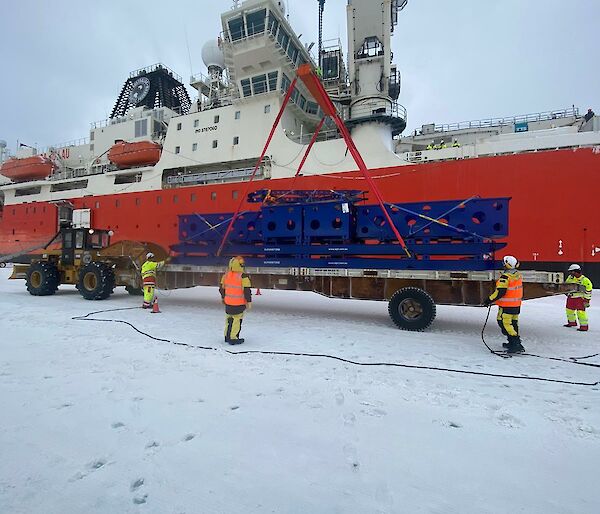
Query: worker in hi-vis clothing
[[149, 279], [578, 301], [508, 296], [237, 297]]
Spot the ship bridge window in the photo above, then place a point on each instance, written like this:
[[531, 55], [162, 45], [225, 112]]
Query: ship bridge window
[[141, 128], [246, 87], [259, 84], [272, 81], [295, 95], [371, 47], [292, 52], [285, 82], [236, 28], [273, 24], [302, 102], [283, 39], [24, 191], [331, 68], [256, 22]]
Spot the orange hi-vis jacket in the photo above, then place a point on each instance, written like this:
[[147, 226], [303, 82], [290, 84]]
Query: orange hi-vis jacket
[[234, 290], [513, 283]]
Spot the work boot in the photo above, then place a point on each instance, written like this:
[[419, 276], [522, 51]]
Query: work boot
[[505, 345], [514, 345], [235, 341], [582, 328], [570, 324]]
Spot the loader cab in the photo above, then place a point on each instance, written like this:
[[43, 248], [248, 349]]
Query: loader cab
[[77, 243]]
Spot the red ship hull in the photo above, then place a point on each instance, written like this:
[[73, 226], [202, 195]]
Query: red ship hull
[[553, 217]]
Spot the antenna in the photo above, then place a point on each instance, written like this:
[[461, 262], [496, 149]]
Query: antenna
[[187, 42], [321, 9]]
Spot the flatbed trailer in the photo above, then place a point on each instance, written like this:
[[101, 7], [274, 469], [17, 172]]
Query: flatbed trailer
[[412, 295]]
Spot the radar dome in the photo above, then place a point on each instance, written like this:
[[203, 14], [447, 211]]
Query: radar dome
[[212, 55], [3, 143]]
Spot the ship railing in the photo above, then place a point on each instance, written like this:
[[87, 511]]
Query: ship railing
[[69, 144], [238, 174], [511, 120], [378, 108], [77, 172], [324, 135], [154, 67]]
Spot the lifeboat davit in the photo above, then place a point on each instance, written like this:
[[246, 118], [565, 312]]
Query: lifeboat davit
[[27, 168], [131, 155]]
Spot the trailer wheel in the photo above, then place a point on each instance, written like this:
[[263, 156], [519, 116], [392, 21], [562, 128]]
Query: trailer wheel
[[96, 281], [2, 264], [42, 279], [412, 308], [134, 291]]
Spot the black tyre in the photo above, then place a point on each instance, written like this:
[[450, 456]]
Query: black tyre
[[42, 279], [134, 291], [411, 308], [96, 281], [2, 264]]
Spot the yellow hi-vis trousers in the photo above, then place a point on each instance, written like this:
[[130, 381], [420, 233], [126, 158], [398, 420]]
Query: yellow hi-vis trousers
[[148, 296], [233, 325], [582, 316], [508, 323]]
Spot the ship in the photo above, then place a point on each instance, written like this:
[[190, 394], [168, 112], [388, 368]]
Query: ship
[[162, 154]]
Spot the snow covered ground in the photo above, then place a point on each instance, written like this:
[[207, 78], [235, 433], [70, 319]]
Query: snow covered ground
[[95, 417]]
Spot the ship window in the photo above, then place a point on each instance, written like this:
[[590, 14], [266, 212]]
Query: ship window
[[97, 205], [283, 39], [177, 149], [117, 203], [179, 126], [175, 199], [234, 195], [141, 128], [215, 143], [236, 28], [217, 118], [259, 84], [196, 123], [292, 52], [158, 199], [256, 22], [273, 24], [295, 95], [273, 81], [138, 201], [236, 140], [285, 83], [237, 115], [311, 107], [194, 147], [246, 87], [302, 102], [267, 109], [213, 196], [193, 197], [92, 133]]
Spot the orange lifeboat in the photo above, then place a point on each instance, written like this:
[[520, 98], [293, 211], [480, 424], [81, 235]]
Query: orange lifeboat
[[27, 168], [139, 153]]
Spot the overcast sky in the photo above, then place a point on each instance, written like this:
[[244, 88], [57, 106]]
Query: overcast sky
[[65, 61]]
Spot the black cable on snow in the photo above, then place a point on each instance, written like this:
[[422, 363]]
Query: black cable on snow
[[87, 317]]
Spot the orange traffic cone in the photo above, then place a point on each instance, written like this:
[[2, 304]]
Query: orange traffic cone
[[155, 308], [258, 293]]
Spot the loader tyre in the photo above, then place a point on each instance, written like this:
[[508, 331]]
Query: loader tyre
[[411, 308], [42, 279], [134, 291], [96, 281]]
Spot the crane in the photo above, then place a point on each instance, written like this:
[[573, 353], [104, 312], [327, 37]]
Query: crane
[[321, 8]]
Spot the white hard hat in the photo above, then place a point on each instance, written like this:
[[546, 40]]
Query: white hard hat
[[149, 255], [574, 267], [510, 262]]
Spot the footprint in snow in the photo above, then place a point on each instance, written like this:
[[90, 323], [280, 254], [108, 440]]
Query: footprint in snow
[[152, 444], [139, 500], [189, 437], [351, 456], [118, 424], [339, 398], [136, 484], [509, 421]]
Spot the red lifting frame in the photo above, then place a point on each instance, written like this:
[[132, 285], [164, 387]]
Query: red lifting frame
[[313, 84]]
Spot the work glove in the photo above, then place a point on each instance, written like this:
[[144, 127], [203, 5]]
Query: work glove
[[487, 302], [586, 304], [249, 305]]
